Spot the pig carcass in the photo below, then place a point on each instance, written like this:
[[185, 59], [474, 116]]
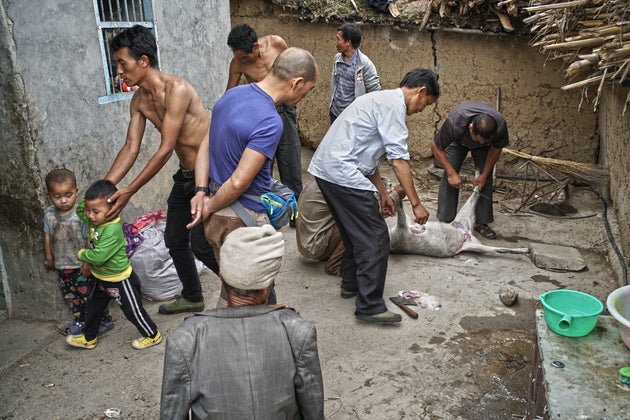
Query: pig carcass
[[438, 239]]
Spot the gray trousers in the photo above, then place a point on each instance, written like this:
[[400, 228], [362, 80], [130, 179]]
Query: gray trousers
[[448, 196]]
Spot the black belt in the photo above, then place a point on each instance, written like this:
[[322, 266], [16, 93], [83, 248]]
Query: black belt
[[188, 173]]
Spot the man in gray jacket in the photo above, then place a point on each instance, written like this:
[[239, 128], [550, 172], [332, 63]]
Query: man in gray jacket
[[353, 72], [248, 360]]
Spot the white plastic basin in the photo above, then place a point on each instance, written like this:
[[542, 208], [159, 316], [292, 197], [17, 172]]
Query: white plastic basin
[[618, 304]]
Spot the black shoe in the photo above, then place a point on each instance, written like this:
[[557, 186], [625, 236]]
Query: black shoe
[[346, 294], [382, 318]]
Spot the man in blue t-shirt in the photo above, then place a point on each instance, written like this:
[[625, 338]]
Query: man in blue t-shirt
[[244, 133]]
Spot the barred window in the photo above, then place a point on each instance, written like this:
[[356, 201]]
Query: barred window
[[112, 16]]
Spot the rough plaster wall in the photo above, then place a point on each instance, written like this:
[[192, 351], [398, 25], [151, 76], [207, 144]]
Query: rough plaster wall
[[51, 118], [615, 154], [20, 193], [191, 37], [540, 116]]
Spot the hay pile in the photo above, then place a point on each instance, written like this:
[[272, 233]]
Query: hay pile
[[591, 36]]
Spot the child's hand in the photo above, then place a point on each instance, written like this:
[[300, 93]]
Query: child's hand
[[49, 263], [85, 270]]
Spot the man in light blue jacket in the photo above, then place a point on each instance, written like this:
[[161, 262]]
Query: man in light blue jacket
[[353, 72]]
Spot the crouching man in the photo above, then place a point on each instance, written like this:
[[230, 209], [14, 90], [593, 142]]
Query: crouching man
[[249, 360]]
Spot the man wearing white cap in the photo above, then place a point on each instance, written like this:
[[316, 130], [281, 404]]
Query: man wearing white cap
[[248, 360]]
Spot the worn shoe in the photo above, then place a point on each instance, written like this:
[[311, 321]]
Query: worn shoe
[[105, 326], [81, 342], [382, 318], [347, 294], [146, 342], [179, 305]]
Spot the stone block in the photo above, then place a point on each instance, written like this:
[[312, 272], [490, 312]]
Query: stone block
[[556, 257]]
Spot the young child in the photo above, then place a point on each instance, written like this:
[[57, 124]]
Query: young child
[[64, 233], [111, 267]]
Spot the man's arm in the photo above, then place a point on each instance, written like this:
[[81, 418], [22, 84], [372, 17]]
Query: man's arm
[[175, 399], [309, 390], [370, 78], [403, 173], [387, 204], [202, 169], [454, 180], [491, 160], [250, 164], [128, 154], [177, 102], [235, 74]]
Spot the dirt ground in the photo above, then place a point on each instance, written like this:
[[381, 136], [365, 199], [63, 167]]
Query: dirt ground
[[472, 359]]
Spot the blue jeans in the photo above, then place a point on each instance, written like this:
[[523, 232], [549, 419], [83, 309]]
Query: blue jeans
[[448, 196], [289, 154], [183, 244]]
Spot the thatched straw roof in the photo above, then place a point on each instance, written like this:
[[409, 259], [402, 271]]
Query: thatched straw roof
[[488, 16], [591, 36]]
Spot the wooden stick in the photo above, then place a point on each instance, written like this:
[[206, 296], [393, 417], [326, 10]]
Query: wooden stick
[[592, 42], [554, 6]]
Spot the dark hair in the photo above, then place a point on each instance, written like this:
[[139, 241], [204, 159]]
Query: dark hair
[[351, 32], [139, 40], [242, 37], [59, 176], [103, 188], [422, 77], [295, 62], [485, 126]]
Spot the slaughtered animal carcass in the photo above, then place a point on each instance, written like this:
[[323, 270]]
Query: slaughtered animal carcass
[[439, 239]]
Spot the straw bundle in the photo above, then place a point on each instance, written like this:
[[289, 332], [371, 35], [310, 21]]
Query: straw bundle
[[593, 36], [587, 172]]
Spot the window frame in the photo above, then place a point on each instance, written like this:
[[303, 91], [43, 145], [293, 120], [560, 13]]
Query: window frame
[[102, 26]]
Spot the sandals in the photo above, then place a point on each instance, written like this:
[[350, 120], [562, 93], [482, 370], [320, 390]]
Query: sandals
[[485, 231]]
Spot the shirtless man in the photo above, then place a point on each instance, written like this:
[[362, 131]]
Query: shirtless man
[[253, 58], [174, 108]]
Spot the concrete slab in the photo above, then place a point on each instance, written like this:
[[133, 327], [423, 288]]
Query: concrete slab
[[556, 257], [588, 385], [472, 359], [20, 337]]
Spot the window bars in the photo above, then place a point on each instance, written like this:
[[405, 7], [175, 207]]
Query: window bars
[[112, 16]]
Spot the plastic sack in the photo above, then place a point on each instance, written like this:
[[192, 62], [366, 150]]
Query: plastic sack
[[152, 262]]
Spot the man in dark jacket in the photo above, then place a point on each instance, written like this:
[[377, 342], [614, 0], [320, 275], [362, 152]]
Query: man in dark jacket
[[480, 129], [248, 360]]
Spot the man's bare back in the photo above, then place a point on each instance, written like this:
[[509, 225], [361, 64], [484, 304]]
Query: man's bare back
[[256, 64]]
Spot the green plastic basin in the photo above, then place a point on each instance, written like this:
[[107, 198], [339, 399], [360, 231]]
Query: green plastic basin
[[571, 313]]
